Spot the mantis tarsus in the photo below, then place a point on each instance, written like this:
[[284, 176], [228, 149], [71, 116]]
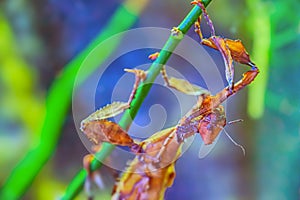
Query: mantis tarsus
[[152, 170]]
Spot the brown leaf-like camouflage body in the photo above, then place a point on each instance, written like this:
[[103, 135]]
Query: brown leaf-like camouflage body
[[146, 178], [152, 172]]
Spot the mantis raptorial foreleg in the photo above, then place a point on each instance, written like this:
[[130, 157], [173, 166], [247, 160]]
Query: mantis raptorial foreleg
[[231, 50]]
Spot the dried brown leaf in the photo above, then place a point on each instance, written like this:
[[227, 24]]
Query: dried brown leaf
[[106, 131]]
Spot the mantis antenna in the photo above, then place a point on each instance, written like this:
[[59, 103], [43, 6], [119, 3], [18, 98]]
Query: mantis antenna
[[232, 140]]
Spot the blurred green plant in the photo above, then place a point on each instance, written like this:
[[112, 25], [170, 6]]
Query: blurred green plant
[[19, 97], [59, 99], [18, 81], [274, 100], [261, 50]]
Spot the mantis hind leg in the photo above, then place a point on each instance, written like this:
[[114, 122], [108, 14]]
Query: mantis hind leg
[[92, 177], [178, 84], [140, 76]]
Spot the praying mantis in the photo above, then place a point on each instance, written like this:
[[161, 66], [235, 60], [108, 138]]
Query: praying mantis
[[152, 170]]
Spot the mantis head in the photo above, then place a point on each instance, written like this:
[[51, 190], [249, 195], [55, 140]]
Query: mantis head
[[212, 124]]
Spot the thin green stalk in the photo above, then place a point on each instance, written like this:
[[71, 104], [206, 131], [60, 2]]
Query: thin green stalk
[[58, 103], [260, 17], [77, 183]]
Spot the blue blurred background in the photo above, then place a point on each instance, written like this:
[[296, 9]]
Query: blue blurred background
[[40, 38]]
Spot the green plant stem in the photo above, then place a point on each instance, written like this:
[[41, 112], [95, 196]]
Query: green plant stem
[[260, 17], [58, 103], [77, 183]]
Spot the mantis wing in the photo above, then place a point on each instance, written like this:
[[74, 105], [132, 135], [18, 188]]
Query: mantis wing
[[107, 111], [205, 149]]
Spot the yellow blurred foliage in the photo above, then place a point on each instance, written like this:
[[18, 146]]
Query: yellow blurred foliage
[[20, 99]]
